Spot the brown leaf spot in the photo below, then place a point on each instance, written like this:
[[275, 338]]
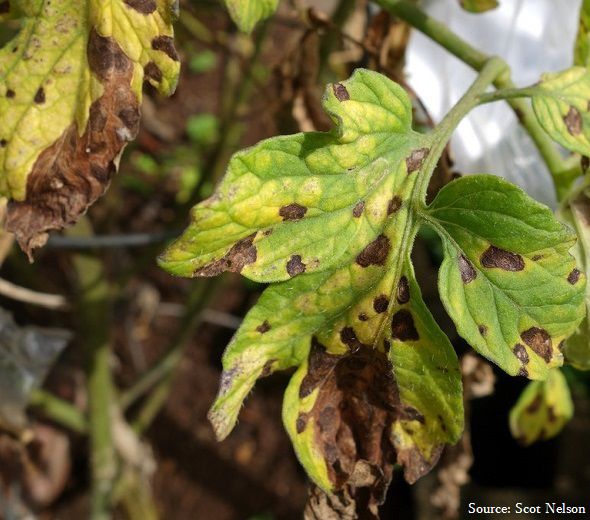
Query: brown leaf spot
[[415, 159], [574, 276], [142, 6], [10, 93], [386, 346], [340, 92], [375, 253], [348, 337], [39, 96], [483, 330], [523, 372], [403, 291], [320, 364], [535, 405], [551, 416], [494, 257], [71, 174], [292, 211], [166, 45], [327, 419], [3, 143], [267, 368], [263, 327], [394, 205], [295, 266], [468, 273], [357, 211], [363, 316], [536, 258], [153, 72], [380, 303], [301, 423], [130, 117], [242, 253], [402, 326], [521, 353], [573, 121], [411, 414], [539, 341]]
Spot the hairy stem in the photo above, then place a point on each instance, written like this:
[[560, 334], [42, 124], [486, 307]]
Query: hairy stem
[[440, 33]]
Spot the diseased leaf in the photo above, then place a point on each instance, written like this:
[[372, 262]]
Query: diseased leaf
[[478, 6], [582, 44], [26, 355], [247, 13], [327, 216], [542, 410], [70, 92], [577, 213], [507, 279], [561, 102]]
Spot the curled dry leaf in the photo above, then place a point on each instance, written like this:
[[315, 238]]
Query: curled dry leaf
[[70, 94]]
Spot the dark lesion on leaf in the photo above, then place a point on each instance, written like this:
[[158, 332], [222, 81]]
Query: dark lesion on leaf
[[142, 6], [415, 160], [403, 327], [573, 121], [363, 316], [349, 338], [320, 364], [574, 276], [535, 405], [375, 253], [494, 257], [357, 211], [295, 266], [539, 341], [166, 45], [71, 174], [357, 404], [268, 367], [10, 93], [380, 303], [468, 273], [340, 92], [403, 291], [263, 327], [523, 372], [483, 330], [39, 98], [394, 204], [242, 253], [521, 353], [301, 423], [152, 72], [292, 211]]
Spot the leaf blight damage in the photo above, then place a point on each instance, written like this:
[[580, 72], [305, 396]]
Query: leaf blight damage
[[69, 101]]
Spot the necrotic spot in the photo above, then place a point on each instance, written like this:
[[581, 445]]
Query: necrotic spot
[[166, 45], [380, 303], [263, 327], [574, 276], [40, 96], [142, 6], [415, 159], [494, 257], [521, 353], [394, 205], [403, 291], [468, 273], [10, 93], [292, 211], [340, 92], [523, 372], [153, 72], [573, 121], [483, 330], [301, 423], [402, 326], [539, 341], [295, 266], [357, 211], [363, 316], [375, 253], [348, 337]]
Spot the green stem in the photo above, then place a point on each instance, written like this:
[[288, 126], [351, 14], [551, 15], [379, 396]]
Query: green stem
[[94, 320], [489, 72], [505, 94], [58, 410], [440, 33]]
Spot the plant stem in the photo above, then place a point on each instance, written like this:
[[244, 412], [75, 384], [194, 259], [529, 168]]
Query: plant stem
[[489, 72], [440, 33], [58, 410], [94, 330]]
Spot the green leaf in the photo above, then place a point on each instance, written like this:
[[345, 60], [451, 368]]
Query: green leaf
[[247, 13], [582, 44], [577, 213], [26, 355], [507, 279], [478, 6], [561, 104], [327, 216], [542, 410], [70, 91]]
